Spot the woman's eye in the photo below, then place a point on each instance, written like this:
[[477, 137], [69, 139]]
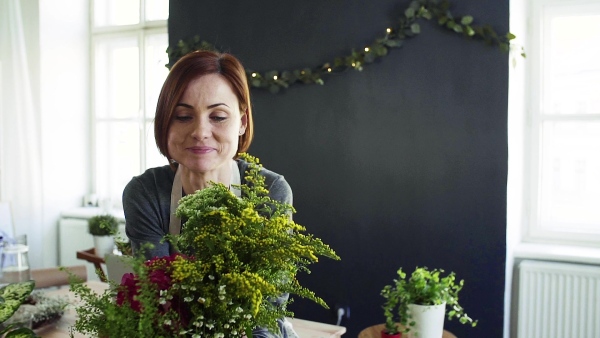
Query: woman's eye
[[217, 118], [183, 118]]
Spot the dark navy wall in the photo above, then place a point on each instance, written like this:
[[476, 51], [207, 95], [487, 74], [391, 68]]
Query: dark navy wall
[[400, 165]]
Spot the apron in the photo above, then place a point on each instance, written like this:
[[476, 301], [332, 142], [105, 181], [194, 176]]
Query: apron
[[177, 193]]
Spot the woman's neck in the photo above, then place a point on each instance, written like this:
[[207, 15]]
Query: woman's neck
[[194, 181]]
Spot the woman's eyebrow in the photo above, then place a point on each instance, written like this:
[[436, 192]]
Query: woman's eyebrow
[[216, 105], [181, 104]]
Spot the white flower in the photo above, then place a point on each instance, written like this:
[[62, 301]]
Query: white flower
[[167, 322], [162, 301], [188, 299], [210, 326], [195, 335], [201, 300], [221, 297], [239, 309], [248, 316], [193, 288], [211, 277]]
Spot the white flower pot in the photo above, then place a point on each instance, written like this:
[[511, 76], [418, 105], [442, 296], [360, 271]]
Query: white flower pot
[[429, 320], [103, 245]]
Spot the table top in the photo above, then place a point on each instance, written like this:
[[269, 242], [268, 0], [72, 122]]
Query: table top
[[375, 331], [60, 329]]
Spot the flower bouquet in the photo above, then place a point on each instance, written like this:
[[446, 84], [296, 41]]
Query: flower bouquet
[[236, 258]]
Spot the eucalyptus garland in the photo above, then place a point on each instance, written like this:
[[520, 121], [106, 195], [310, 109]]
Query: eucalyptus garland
[[406, 27]]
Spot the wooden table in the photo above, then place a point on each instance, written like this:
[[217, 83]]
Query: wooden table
[[304, 328], [375, 331]]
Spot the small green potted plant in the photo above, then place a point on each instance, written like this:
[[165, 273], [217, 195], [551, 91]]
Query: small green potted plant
[[424, 289], [13, 295], [103, 228]]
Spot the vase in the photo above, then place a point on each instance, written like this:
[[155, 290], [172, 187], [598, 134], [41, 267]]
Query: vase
[[429, 320], [103, 245], [390, 335]]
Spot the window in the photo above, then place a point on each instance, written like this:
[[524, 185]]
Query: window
[[129, 42], [563, 129]]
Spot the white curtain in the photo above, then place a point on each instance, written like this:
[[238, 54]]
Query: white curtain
[[20, 159]]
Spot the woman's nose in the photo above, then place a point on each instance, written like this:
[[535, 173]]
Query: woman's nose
[[201, 130]]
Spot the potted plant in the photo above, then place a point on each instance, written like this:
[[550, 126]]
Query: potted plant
[[103, 228], [425, 290], [13, 295]]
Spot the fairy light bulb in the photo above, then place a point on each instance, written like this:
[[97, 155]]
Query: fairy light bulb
[[367, 49]]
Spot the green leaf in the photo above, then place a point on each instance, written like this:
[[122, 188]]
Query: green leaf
[[510, 36], [466, 20], [393, 43], [12, 296], [469, 31], [21, 332], [415, 28], [425, 13], [409, 12], [458, 28], [255, 83]]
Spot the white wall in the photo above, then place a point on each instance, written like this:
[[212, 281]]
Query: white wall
[[64, 110], [516, 125]]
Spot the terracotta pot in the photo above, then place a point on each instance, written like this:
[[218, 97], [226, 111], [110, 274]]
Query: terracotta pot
[[384, 334]]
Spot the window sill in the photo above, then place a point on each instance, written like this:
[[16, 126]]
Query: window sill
[[553, 252]]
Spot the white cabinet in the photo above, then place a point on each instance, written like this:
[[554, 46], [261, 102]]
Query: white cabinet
[[73, 236]]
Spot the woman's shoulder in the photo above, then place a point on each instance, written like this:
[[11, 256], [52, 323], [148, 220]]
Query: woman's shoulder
[[270, 176], [158, 176], [279, 188]]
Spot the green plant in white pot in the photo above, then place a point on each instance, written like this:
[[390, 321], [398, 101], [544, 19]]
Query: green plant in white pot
[[424, 291], [103, 228]]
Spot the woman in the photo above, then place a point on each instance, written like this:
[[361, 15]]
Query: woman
[[203, 120]]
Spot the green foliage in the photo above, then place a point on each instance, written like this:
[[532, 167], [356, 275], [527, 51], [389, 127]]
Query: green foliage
[[103, 225], [236, 256], [394, 37], [424, 287], [11, 298]]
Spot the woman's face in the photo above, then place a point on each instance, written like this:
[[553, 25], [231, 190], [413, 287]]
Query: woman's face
[[204, 132]]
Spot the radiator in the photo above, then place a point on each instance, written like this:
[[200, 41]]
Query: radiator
[[558, 300]]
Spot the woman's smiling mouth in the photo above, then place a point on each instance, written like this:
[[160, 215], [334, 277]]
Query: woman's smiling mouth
[[201, 150]]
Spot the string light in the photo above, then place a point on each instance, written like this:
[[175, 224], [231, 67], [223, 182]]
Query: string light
[[367, 49], [253, 74], [329, 69], [389, 30], [275, 77]]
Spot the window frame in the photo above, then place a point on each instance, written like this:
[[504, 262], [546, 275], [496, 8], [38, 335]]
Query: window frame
[[532, 230], [145, 117]]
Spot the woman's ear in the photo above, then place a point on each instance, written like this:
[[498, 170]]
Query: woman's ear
[[244, 123]]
